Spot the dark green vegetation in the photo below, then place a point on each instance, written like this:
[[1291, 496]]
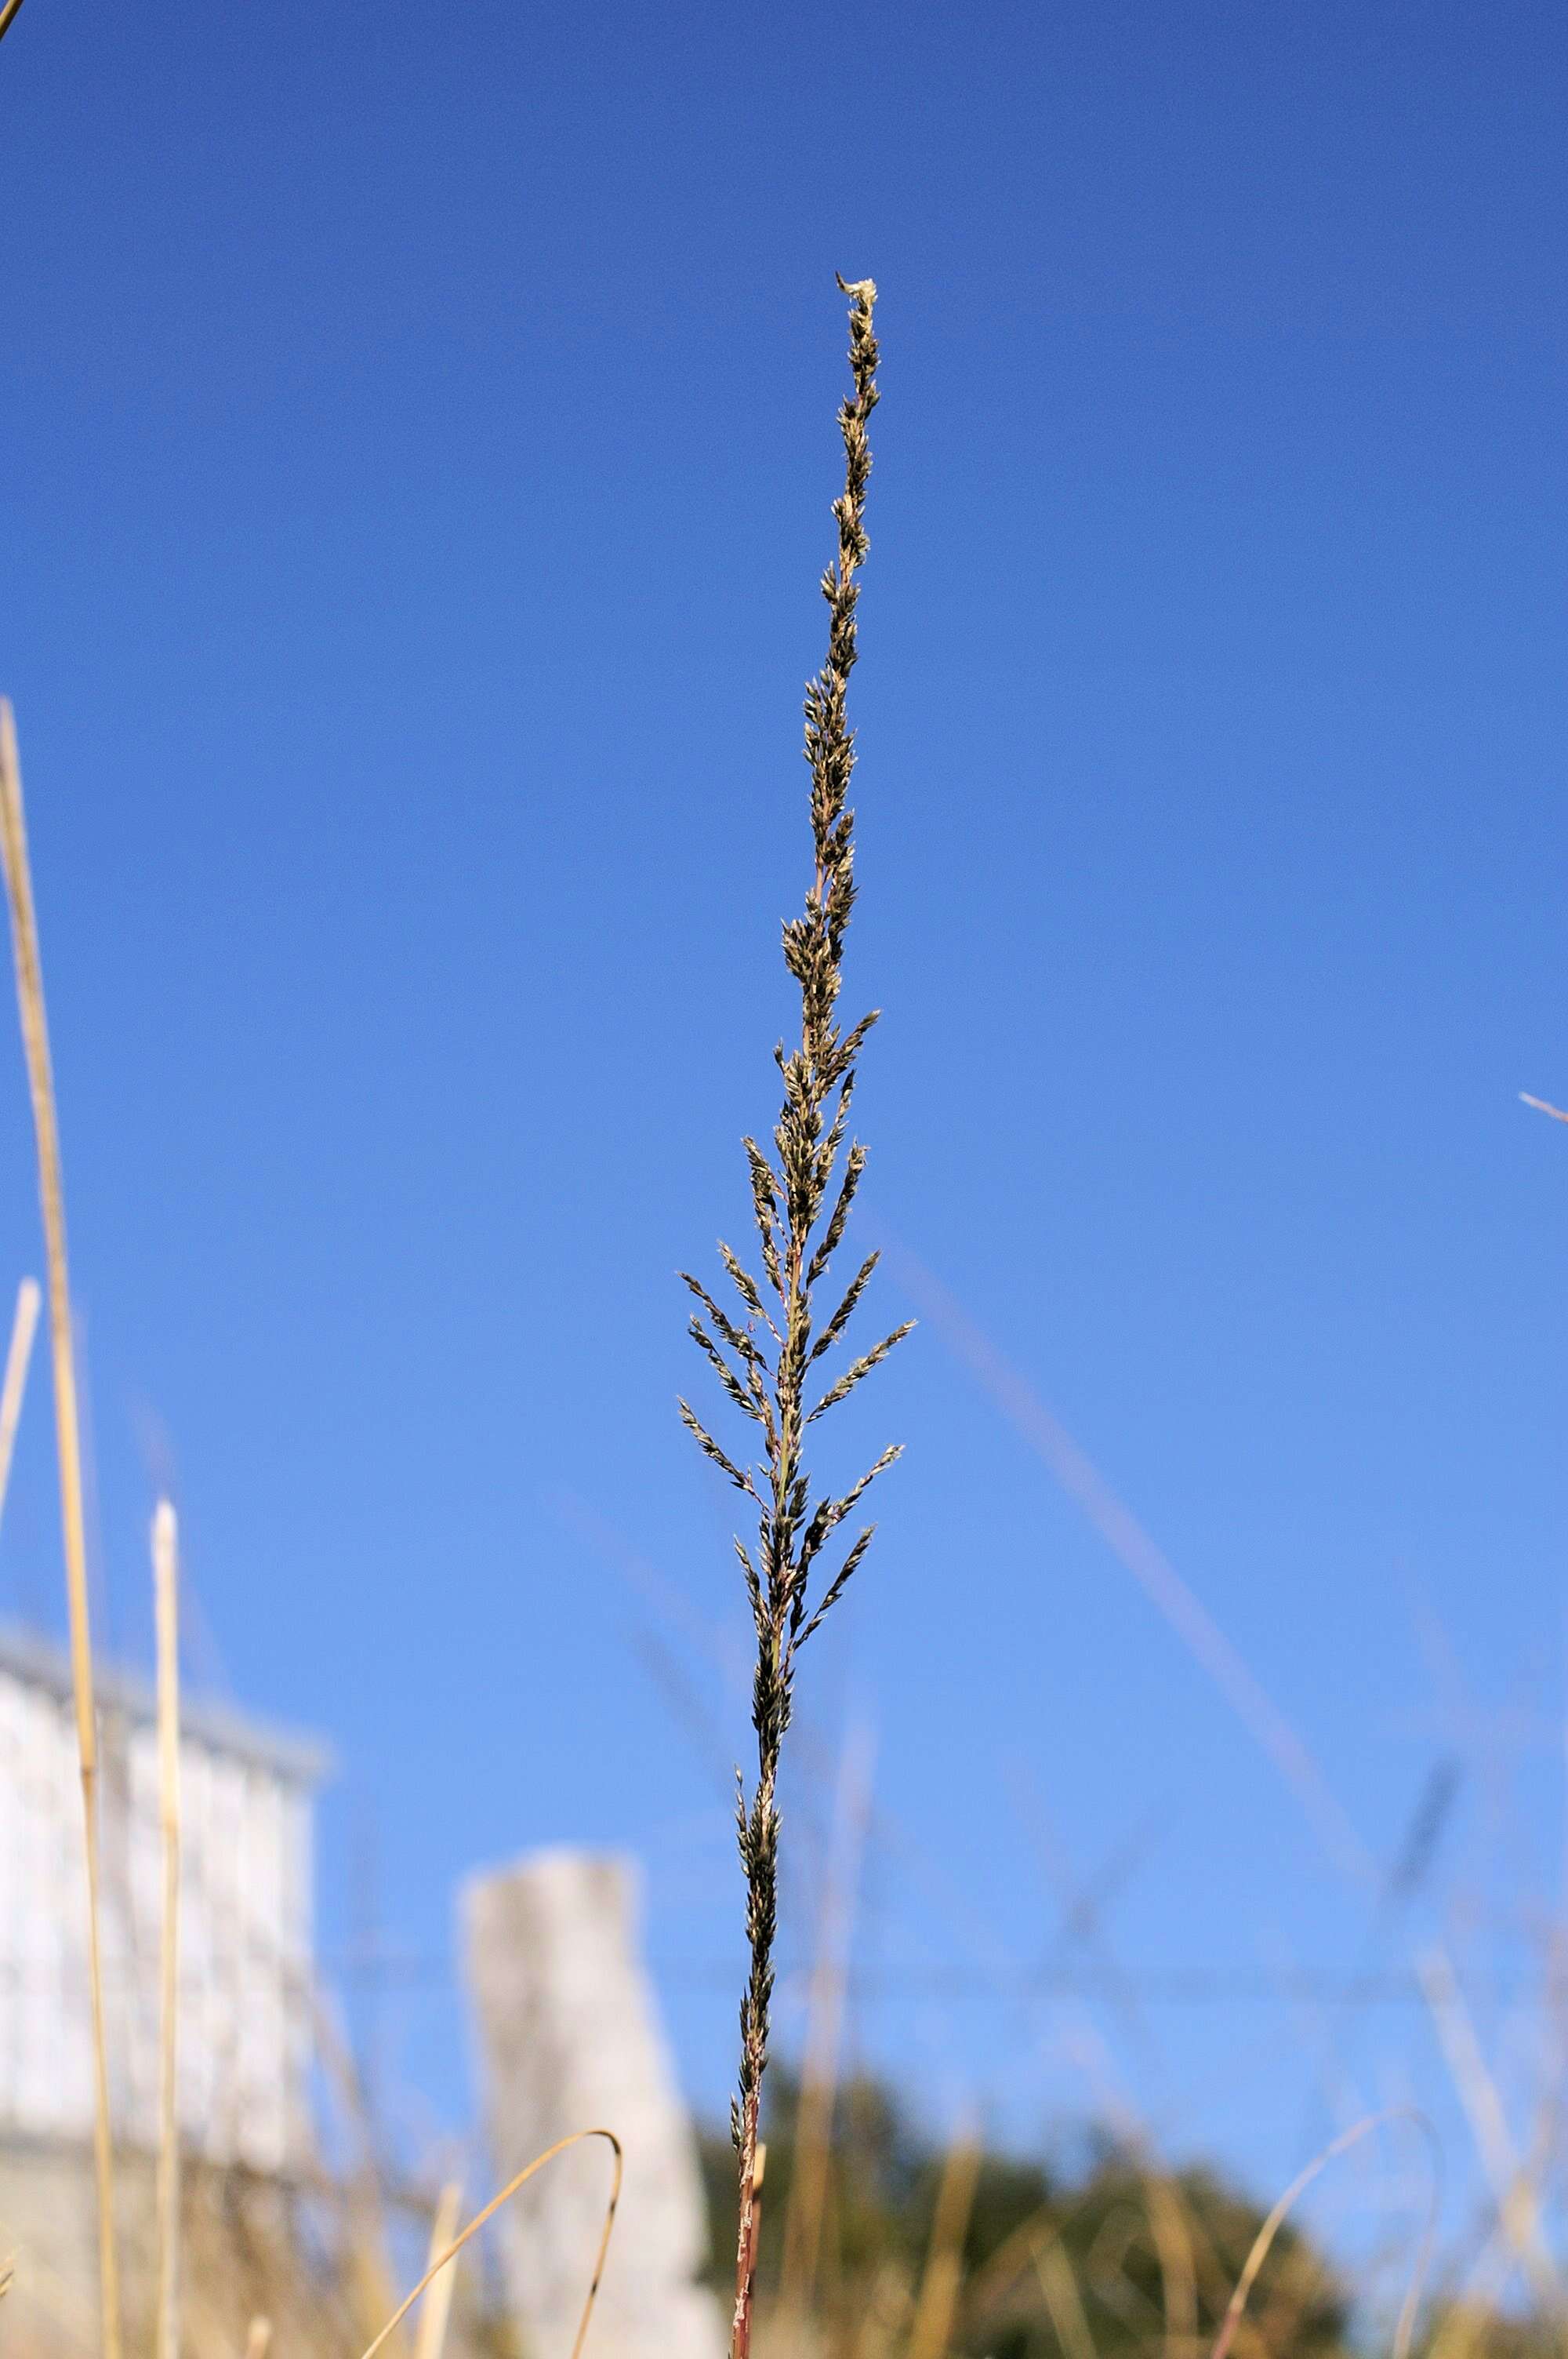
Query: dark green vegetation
[[1103, 2257]]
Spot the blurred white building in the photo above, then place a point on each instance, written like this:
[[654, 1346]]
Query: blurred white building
[[246, 1969]]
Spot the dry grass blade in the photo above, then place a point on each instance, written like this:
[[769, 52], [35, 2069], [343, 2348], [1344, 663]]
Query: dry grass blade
[[23, 1329], [1178, 2271], [1144, 1560], [165, 1601], [68, 1434], [496, 2203], [1063, 2303], [1517, 2195], [1016, 2254], [1263, 2242], [437, 2310], [1541, 1107], [370, 2270], [819, 2078], [8, 15], [939, 2301]]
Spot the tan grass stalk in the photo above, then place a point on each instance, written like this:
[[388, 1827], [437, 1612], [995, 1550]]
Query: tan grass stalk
[[432, 2335], [1466, 2322], [939, 2302], [1516, 2196], [1019, 2250], [883, 2317], [166, 1598], [23, 1328], [1263, 2242], [1178, 2272], [8, 17], [68, 1432], [1541, 1107], [1466, 2329], [1063, 2303], [819, 2078], [370, 2268], [258, 2341], [495, 2204]]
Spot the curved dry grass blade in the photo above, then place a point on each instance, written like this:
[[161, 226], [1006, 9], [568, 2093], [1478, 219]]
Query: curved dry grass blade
[[1172, 2239], [436, 2311], [166, 1604], [1018, 2251], [492, 2208], [939, 2301], [1207, 1644], [23, 1329], [68, 1436], [1517, 2194], [1263, 2241], [1063, 2303]]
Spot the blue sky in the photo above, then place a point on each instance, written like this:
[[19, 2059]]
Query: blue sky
[[418, 444]]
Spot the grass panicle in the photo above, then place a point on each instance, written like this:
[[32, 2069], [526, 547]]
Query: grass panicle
[[765, 1356]]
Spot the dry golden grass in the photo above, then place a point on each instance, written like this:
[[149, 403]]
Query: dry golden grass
[[24, 1326], [497, 2204], [166, 1583], [68, 1439]]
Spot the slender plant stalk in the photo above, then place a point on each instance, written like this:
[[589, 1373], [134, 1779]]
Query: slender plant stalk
[[23, 1329], [824, 2024], [766, 1357], [932, 2331], [481, 2219], [1064, 2302], [166, 1598], [431, 2339], [68, 1438], [8, 15]]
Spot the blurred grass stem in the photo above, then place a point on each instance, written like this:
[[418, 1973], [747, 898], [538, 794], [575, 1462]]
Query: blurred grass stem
[[67, 1434]]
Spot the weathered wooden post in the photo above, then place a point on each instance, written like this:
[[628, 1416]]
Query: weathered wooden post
[[568, 2038]]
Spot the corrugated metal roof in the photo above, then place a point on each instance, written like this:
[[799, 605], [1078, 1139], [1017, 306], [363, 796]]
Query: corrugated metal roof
[[299, 1759]]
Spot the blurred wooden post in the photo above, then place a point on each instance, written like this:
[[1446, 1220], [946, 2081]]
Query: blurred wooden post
[[567, 2033]]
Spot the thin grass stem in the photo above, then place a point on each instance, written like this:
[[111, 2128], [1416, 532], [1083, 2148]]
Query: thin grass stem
[[24, 1326], [68, 1434], [495, 2204], [433, 2319], [819, 2078], [1262, 2242], [939, 2302], [166, 1600], [764, 1354]]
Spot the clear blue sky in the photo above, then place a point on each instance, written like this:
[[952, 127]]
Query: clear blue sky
[[417, 449]]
